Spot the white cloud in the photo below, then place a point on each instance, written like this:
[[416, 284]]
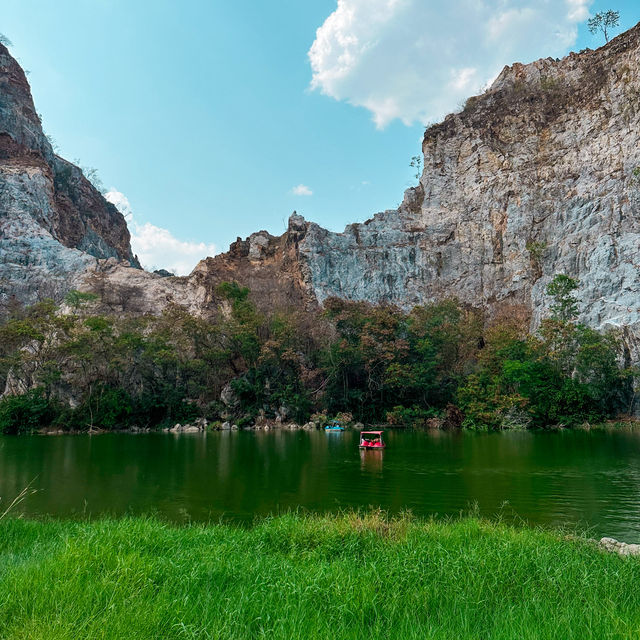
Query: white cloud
[[120, 201], [417, 60], [157, 248], [301, 190]]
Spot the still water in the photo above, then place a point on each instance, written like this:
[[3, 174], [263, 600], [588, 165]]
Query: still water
[[589, 479]]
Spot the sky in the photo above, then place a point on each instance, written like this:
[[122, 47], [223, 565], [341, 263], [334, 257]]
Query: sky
[[207, 119]]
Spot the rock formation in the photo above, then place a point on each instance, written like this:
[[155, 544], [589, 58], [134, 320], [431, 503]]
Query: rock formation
[[539, 175], [621, 548], [271, 266], [54, 225]]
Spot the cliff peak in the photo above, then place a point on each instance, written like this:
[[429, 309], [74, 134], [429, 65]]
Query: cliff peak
[[54, 224]]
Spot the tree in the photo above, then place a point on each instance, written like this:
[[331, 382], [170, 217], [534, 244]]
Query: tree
[[603, 21], [564, 306], [26, 413], [416, 163], [77, 299], [92, 175], [5, 41]]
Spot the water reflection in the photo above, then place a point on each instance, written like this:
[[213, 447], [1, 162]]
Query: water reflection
[[590, 479], [371, 460]]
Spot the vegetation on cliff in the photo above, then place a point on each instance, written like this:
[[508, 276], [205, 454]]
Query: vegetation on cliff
[[436, 365], [345, 576]]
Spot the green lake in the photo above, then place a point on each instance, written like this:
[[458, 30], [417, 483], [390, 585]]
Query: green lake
[[590, 479]]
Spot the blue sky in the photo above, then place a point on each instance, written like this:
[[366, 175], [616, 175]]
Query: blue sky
[[207, 114]]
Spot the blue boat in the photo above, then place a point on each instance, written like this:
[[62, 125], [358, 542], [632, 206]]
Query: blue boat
[[334, 426]]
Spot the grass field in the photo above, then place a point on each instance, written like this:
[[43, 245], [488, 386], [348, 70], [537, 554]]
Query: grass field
[[304, 577]]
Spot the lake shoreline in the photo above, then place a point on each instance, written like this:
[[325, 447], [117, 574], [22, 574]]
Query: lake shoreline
[[626, 423]]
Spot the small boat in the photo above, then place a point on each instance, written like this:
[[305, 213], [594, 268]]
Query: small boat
[[371, 440], [334, 426]]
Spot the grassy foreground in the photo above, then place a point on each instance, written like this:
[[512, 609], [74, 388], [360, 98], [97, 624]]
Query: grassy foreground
[[347, 576]]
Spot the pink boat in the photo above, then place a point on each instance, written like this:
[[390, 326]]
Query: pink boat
[[371, 440]]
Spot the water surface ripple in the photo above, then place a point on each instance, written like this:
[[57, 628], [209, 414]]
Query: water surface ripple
[[588, 479]]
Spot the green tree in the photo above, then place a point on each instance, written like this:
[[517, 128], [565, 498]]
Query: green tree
[[564, 307], [27, 412], [603, 21], [76, 299], [565, 374], [416, 164]]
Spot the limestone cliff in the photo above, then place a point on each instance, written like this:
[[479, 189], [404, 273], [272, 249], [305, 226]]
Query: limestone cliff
[[537, 176], [270, 266], [54, 224]]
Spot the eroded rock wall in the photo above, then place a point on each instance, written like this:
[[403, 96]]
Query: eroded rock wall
[[54, 225], [269, 265], [534, 177]]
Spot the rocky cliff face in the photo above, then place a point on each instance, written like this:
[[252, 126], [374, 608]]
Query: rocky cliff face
[[54, 225], [535, 177], [271, 266]]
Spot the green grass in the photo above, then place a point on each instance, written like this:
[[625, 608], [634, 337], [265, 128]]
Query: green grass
[[303, 577]]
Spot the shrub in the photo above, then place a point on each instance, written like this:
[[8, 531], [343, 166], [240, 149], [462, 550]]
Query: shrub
[[414, 416], [27, 412]]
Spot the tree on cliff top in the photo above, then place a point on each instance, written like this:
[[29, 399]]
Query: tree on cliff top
[[416, 164], [603, 21], [5, 41]]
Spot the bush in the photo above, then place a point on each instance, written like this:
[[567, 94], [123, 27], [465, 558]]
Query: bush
[[435, 366], [320, 419], [414, 416], [27, 412]]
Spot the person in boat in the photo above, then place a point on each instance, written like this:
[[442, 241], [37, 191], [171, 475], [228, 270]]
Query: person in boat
[[371, 440]]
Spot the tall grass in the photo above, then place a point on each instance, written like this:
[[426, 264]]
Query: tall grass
[[23, 495], [303, 577]]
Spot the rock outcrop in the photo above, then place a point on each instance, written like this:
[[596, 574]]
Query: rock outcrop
[[54, 225], [621, 548], [271, 266]]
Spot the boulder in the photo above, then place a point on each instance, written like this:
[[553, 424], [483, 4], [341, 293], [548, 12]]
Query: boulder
[[163, 273], [228, 397], [191, 428], [283, 412], [201, 424], [621, 548]]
